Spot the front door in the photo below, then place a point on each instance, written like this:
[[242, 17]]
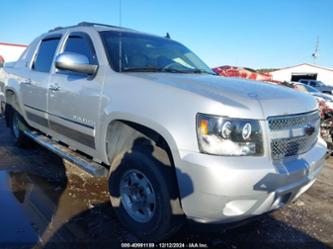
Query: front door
[[74, 99]]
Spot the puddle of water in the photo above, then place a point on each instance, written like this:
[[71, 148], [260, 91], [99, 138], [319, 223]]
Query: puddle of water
[[34, 209], [15, 227]]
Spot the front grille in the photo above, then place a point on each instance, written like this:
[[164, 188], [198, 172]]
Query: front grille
[[292, 121], [287, 144]]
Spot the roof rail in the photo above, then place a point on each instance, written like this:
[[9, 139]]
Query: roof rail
[[88, 24], [60, 28]]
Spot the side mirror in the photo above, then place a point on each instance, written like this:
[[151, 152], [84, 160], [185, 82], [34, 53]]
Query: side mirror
[[75, 62]]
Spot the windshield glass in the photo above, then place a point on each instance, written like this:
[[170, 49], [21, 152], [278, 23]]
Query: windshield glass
[[311, 89], [146, 53]]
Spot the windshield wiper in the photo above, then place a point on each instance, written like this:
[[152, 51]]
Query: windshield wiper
[[141, 69], [152, 69], [190, 70], [200, 71], [168, 70]]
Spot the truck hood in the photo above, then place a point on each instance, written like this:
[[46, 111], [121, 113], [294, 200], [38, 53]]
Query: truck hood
[[326, 88], [253, 96]]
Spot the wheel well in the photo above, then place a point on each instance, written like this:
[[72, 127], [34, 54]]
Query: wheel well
[[11, 99], [11, 105], [125, 132], [153, 135]]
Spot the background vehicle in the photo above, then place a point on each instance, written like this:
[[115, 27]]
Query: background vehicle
[[175, 140], [325, 102], [2, 89], [320, 86], [328, 99], [2, 61]]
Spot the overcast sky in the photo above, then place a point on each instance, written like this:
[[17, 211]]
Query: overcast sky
[[257, 34]]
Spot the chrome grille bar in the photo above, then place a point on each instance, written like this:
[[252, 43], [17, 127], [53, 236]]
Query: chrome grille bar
[[289, 136], [292, 121]]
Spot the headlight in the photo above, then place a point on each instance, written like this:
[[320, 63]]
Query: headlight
[[228, 136]]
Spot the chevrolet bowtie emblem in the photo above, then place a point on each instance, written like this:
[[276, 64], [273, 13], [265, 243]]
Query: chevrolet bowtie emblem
[[309, 130]]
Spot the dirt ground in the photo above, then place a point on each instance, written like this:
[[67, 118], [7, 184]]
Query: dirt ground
[[47, 202]]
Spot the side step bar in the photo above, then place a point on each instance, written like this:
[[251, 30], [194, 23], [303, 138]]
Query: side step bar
[[86, 164]]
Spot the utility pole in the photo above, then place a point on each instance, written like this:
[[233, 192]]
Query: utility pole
[[315, 54]]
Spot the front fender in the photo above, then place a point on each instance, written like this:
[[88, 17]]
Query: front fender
[[151, 124]]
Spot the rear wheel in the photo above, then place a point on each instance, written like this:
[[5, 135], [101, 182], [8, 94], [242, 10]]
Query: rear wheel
[[143, 194], [16, 127]]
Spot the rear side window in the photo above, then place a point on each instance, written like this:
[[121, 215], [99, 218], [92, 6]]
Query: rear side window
[[45, 54], [81, 44]]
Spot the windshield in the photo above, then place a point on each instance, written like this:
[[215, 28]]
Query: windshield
[[146, 53], [319, 83], [311, 89]]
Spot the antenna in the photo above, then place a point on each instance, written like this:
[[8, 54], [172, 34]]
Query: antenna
[[120, 38], [315, 54], [120, 12]]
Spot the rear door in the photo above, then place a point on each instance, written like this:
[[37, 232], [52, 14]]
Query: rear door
[[74, 98], [34, 87]]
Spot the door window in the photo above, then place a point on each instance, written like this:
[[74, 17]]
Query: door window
[[45, 54], [81, 44]]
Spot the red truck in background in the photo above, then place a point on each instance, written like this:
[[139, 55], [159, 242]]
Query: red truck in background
[[242, 72]]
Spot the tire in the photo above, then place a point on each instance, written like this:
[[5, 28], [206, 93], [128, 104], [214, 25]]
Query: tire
[[16, 121], [165, 216]]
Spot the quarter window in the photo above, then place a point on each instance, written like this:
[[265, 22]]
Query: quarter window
[[45, 54]]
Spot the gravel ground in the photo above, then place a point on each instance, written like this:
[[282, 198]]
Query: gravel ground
[[47, 202]]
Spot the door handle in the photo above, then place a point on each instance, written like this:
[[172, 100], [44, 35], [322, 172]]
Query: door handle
[[55, 88], [27, 82]]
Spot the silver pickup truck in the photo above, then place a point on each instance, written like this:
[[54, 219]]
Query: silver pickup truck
[[175, 140]]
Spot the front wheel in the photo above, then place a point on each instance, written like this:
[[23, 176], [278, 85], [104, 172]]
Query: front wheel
[[141, 195]]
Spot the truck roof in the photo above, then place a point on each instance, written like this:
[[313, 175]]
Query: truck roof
[[97, 26], [101, 27]]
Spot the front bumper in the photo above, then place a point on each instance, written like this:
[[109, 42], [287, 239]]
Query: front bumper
[[217, 189]]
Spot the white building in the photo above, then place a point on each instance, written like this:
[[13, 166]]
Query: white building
[[304, 71], [10, 52]]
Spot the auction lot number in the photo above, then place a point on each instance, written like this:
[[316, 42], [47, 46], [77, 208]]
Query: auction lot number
[[164, 245]]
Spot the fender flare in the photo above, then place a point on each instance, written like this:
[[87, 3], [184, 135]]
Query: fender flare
[[150, 124]]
